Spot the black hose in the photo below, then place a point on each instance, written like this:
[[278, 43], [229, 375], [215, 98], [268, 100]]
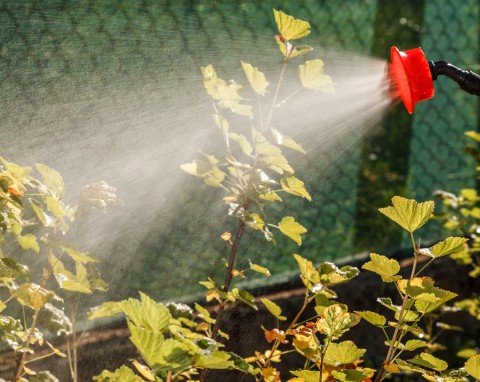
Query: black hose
[[468, 80]]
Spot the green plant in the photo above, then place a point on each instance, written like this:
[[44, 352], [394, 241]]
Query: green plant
[[254, 173], [33, 223]]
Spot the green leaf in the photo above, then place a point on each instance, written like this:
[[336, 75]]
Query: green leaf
[[343, 353], [245, 297], [335, 321], [449, 246], [372, 317], [414, 344], [28, 241], [295, 186], [257, 79], [383, 266], [429, 361], [289, 227], [10, 269], [146, 313], [308, 273], [66, 279], [254, 221], [289, 50], [32, 295], [52, 179], [46, 219], [259, 269], [313, 77], [409, 214], [472, 366], [122, 374], [307, 375], [289, 27], [351, 375], [216, 360], [148, 343], [225, 93], [54, 206], [204, 314], [107, 309], [273, 308]]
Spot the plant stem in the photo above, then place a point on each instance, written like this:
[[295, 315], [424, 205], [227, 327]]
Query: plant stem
[[396, 334], [277, 91], [74, 370]]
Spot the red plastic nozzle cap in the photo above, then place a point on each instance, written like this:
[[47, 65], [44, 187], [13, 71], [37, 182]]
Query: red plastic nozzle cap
[[412, 76]]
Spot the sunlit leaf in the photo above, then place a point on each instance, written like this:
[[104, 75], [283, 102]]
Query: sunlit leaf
[[148, 343], [313, 77], [10, 269], [255, 221], [449, 246], [407, 213], [146, 312], [429, 361], [66, 279], [259, 269], [414, 344], [372, 317], [290, 50], [122, 374], [472, 366], [473, 135], [107, 309], [335, 321], [308, 273], [383, 266], [273, 308], [289, 227], [289, 27], [225, 93], [204, 314], [257, 79], [245, 297], [143, 370], [243, 142], [352, 375], [343, 353], [52, 179], [295, 186], [46, 219], [32, 295], [285, 141], [306, 376], [216, 360]]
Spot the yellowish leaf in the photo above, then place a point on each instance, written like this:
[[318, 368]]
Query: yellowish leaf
[[289, 27], [289, 227], [257, 79], [313, 77]]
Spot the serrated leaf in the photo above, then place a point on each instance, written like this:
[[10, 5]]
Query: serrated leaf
[[409, 214], [143, 370], [216, 360], [373, 318], [295, 186], [352, 375], [308, 273], [449, 246], [52, 179], [313, 77], [107, 309], [383, 266], [429, 361], [289, 50], [306, 375], [273, 308], [289, 227], [472, 366], [259, 269], [66, 279], [146, 313], [122, 374], [148, 343], [414, 344], [255, 221], [243, 142], [257, 79], [289, 27], [343, 353], [32, 295], [335, 321]]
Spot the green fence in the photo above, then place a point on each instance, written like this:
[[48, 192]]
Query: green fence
[[97, 90]]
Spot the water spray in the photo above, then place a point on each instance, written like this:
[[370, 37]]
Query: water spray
[[414, 75]]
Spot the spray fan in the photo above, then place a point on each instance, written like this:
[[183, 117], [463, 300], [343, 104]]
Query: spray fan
[[414, 75]]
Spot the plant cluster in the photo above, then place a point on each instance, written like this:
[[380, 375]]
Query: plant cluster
[[176, 342], [37, 286]]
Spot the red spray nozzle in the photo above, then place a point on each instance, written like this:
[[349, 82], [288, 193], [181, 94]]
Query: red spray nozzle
[[412, 75]]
